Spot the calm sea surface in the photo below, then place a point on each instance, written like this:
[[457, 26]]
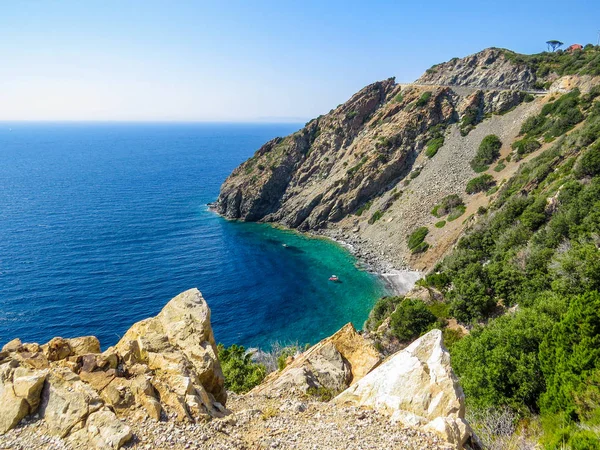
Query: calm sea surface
[[102, 224]]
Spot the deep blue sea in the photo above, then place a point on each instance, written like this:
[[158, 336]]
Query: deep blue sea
[[102, 224]]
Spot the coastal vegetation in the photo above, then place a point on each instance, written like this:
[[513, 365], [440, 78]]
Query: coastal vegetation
[[240, 372], [416, 240], [480, 184], [526, 281], [451, 206], [487, 153]]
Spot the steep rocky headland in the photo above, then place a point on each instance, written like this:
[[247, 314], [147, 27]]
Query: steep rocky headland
[[361, 173]]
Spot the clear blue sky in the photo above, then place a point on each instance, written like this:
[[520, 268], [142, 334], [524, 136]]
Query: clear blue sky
[[243, 60]]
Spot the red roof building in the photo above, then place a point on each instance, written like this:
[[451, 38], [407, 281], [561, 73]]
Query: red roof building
[[574, 47]]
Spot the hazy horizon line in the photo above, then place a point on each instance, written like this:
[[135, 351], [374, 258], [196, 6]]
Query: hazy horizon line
[[158, 121]]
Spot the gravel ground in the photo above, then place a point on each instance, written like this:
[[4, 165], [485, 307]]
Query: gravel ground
[[278, 424]]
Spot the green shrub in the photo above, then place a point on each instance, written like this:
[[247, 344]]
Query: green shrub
[[433, 146], [411, 319], [500, 167], [440, 281], [451, 337], [415, 240], [398, 98], [469, 120], [423, 99], [351, 115], [364, 208], [526, 145], [284, 354], [352, 170], [440, 224], [415, 173], [447, 205], [589, 163], [321, 393], [487, 153], [480, 184], [376, 216], [570, 359], [241, 374], [456, 213], [382, 309], [472, 296], [498, 365]]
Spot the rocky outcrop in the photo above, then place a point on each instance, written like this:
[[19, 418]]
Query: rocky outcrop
[[179, 347], [489, 69], [416, 387], [164, 367], [333, 364]]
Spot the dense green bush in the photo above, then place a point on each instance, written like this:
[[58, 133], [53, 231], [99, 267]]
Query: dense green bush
[[556, 118], [499, 365], [382, 309], [526, 145], [416, 240], [589, 163], [433, 146], [487, 153], [472, 297], [469, 120], [241, 373], [376, 216], [570, 360], [423, 99], [480, 184], [364, 208], [447, 205], [411, 319]]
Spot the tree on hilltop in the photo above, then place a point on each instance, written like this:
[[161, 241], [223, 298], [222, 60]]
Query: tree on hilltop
[[554, 45]]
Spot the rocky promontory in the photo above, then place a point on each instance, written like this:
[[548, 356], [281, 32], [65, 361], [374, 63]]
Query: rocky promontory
[[370, 171], [161, 386]]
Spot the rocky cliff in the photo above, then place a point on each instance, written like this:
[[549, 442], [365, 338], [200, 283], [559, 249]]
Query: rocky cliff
[[489, 69], [161, 386], [351, 173]]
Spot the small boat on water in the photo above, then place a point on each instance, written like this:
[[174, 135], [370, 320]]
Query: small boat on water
[[285, 245], [334, 278]]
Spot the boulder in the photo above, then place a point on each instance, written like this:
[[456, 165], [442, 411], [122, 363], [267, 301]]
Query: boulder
[[20, 390], [179, 347], [67, 402], [12, 346], [103, 430], [334, 364], [84, 345], [417, 388]]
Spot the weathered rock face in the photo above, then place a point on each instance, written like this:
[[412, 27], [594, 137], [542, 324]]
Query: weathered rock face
[[20, 389], [163, 365], [366, 152], [416, 387], [178, 343], [489, 69], [333, 364]]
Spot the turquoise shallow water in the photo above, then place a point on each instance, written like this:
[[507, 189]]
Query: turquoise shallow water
[[101, 224]]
